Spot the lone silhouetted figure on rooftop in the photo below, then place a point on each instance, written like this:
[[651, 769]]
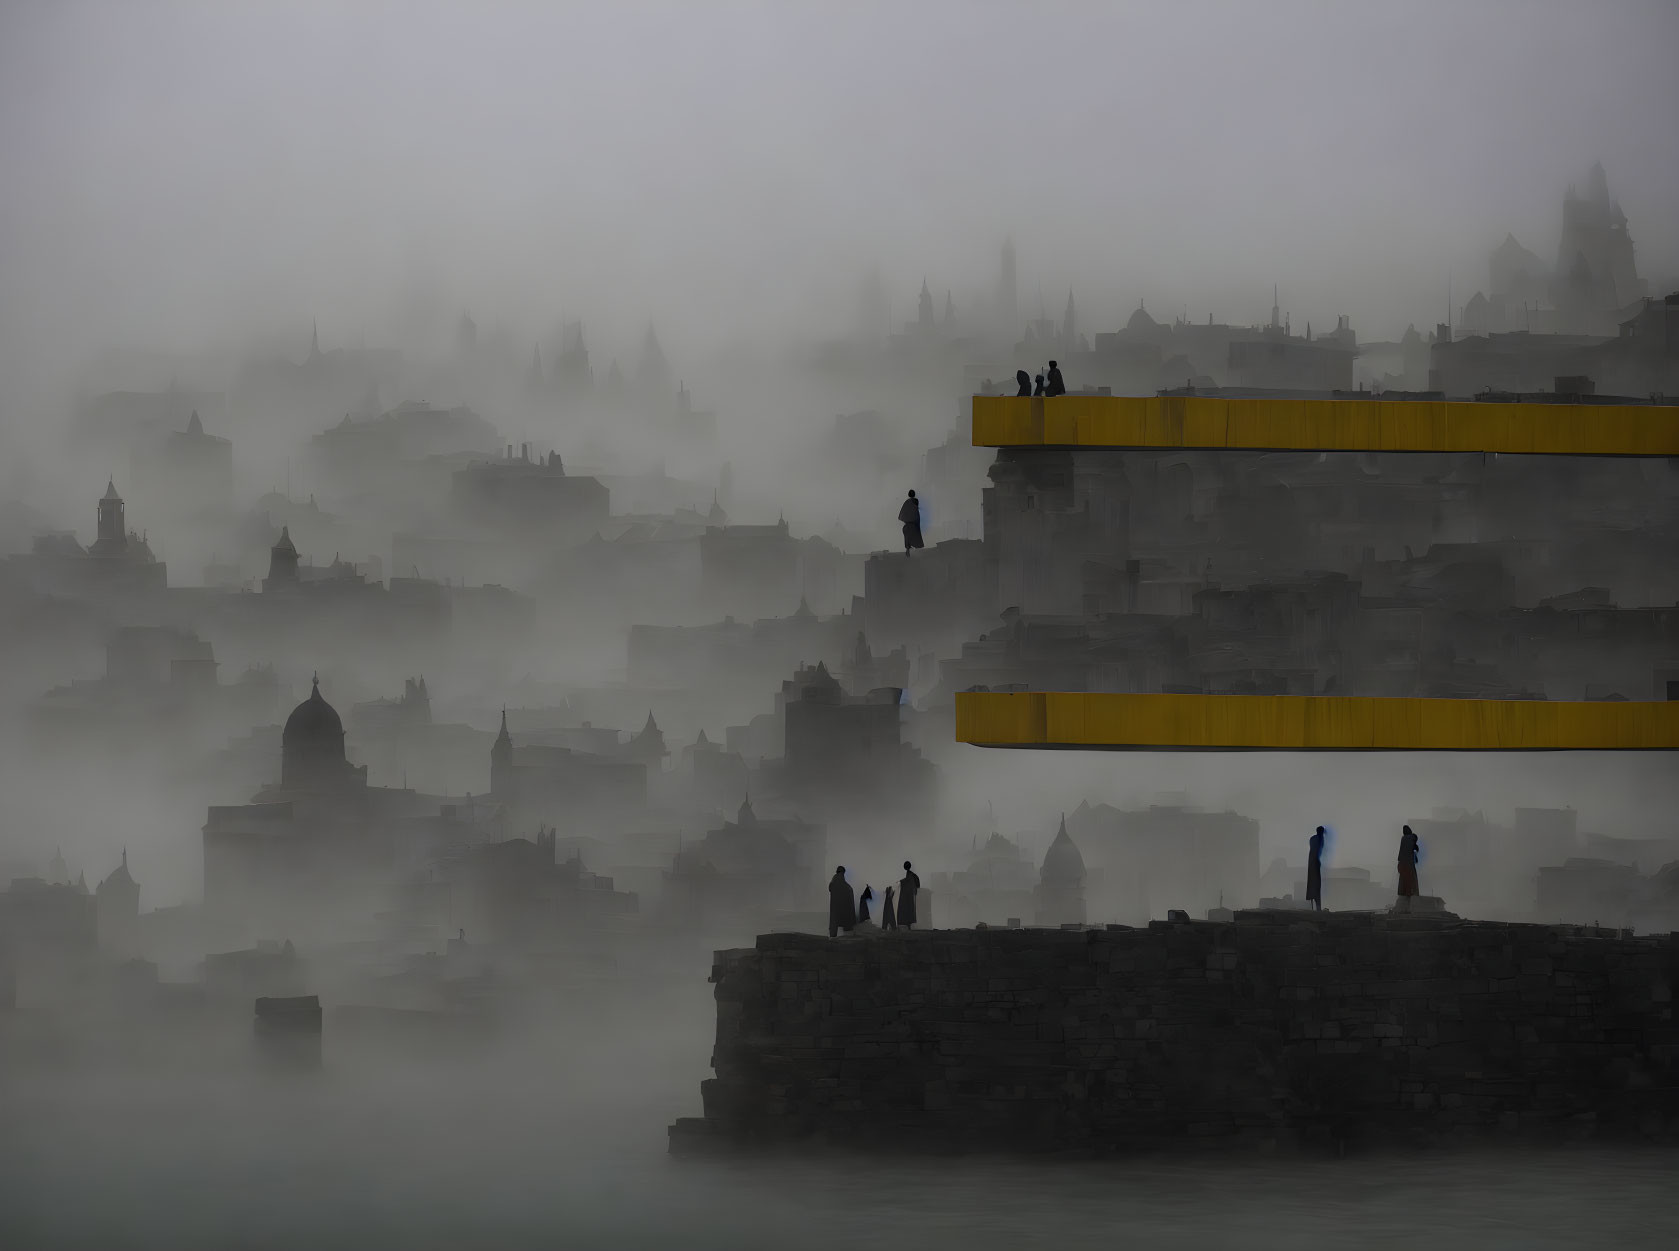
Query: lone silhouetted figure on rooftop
[[1314, 871], [842, 904], [1052, 381], [1024, 380], [863, 905], [1408, 888], [910, 517], [888, 914], [1038, 389], [908, 889]]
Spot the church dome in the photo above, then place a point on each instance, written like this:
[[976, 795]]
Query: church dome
[[312, 745], [314, 721], [1141, 322]]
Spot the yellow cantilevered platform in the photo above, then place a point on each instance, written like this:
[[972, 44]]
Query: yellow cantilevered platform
[[1118, 421], [1095, 721]]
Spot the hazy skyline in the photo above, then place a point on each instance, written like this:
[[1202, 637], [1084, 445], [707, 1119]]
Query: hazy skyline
[[182, 171]]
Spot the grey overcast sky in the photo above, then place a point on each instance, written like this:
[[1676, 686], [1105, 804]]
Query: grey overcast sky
[[176, 171]]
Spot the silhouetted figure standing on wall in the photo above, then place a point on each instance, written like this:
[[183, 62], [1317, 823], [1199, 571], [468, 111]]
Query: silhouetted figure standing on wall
[[842, 904], [1314, 871], [1039, 388], [910, 517], [863, 905], [888, 915], [1052, 381], [1024, 381], [908, 889], [1408, 888]]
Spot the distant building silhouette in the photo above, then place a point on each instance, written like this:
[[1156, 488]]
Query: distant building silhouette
[[1059, 897]]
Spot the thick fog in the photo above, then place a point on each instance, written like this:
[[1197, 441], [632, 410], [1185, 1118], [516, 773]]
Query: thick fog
[[440, 443], [182, 175]]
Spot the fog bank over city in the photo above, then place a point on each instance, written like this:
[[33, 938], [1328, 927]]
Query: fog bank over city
[[181, 175], [508, 511]]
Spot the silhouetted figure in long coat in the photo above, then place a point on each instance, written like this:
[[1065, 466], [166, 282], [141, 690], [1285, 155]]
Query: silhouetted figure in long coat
[[1408, 888], [910, 517], [888, 915], [863, 905], [908, 889], [842, 904], [1024, 381], [1052, 381], [1314, 870]]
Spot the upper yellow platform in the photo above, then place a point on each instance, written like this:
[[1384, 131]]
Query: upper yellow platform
[[1120, 421], [1309, 723]]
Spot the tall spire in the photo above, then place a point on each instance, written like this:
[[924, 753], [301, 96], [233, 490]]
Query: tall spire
[[314, 339]]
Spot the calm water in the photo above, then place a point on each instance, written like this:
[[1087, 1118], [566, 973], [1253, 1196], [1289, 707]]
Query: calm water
[[561, 1144]]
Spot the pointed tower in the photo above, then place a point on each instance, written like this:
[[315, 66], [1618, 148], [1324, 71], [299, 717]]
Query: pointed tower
[[111, 513], [117, 911], [648, 746], [194, 426], [501, 763], [1059, 897], [113, 532], [1276, 313], [1069, 323], [282, 562], [926, 306], [314, 340]]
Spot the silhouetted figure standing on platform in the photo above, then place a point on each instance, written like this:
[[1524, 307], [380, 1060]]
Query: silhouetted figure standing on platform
[[1052, 381], [908, 889], [1024, 381], [1314, 871], [863, 905], [842, 904], [909, 516], [1039, 388], [888, 915], [1408, 888]]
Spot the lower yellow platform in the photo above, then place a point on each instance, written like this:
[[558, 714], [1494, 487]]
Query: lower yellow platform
[[1056, 719]]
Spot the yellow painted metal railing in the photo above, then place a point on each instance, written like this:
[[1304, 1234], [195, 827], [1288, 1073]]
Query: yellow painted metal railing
[[1309, 723], [1117, 421]]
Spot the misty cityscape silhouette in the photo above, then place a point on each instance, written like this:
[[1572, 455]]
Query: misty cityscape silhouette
[[500, 504]]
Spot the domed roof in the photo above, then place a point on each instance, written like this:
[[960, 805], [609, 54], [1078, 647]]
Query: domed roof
[[1141, 321], [1063, 865], [314, 721]]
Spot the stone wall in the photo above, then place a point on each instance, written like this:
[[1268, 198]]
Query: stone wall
[[1276, 1030]]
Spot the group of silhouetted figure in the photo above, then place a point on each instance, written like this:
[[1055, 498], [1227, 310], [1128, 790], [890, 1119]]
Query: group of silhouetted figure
[[1409, 854], [846, 912], [1047, 383]]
